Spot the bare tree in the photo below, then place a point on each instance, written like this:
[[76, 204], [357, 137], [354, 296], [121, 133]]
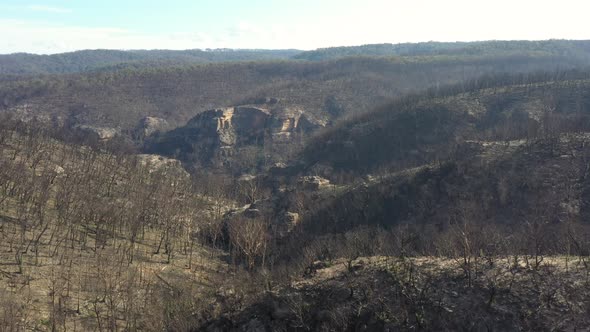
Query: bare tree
[[250, 238]]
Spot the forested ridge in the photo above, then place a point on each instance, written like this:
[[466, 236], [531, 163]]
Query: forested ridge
[[121, 98], [109, 60], [577, 49], [430, 125]]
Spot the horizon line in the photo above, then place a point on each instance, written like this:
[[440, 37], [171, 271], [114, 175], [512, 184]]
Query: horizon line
[[295, 49]]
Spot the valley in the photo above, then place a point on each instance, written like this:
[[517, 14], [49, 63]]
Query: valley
[[429, 186]]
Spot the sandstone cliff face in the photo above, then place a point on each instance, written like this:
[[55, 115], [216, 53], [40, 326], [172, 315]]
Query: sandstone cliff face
[[291, 121], [217, 135], [247, 123]]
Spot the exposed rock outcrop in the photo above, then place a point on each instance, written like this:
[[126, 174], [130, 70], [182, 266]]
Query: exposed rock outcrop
[[216, 136], [156, 163], [99, 133], [293, 120], [312, 182], [150, 125], [290, 220]]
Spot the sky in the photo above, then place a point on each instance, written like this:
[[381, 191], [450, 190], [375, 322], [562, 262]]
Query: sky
[[55, 26]]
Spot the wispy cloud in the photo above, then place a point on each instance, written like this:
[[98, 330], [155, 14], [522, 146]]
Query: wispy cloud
[[47, 38], [49, 9]]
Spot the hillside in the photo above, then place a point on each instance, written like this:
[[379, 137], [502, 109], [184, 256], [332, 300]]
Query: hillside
[[405, 294], [424, 128], [120, 99], [108, 60], [99, 241], [504, 184], [93, 240]]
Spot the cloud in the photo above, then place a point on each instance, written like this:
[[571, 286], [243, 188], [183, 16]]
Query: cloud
[[47, 38], [49, 9]]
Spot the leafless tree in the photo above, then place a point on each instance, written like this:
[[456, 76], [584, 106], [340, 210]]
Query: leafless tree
[[249, 237]]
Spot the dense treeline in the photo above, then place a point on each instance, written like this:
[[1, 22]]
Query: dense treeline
[[577, 49], [108, 60]]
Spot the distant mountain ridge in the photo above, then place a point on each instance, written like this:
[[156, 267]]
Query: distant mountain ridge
[[570, 48], [91, 60], [110, 60]]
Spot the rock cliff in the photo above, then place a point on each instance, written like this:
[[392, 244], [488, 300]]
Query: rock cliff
[[149, 125], [222, 135]]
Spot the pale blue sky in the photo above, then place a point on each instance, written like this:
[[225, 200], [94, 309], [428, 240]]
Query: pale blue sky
[[52, 26]]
